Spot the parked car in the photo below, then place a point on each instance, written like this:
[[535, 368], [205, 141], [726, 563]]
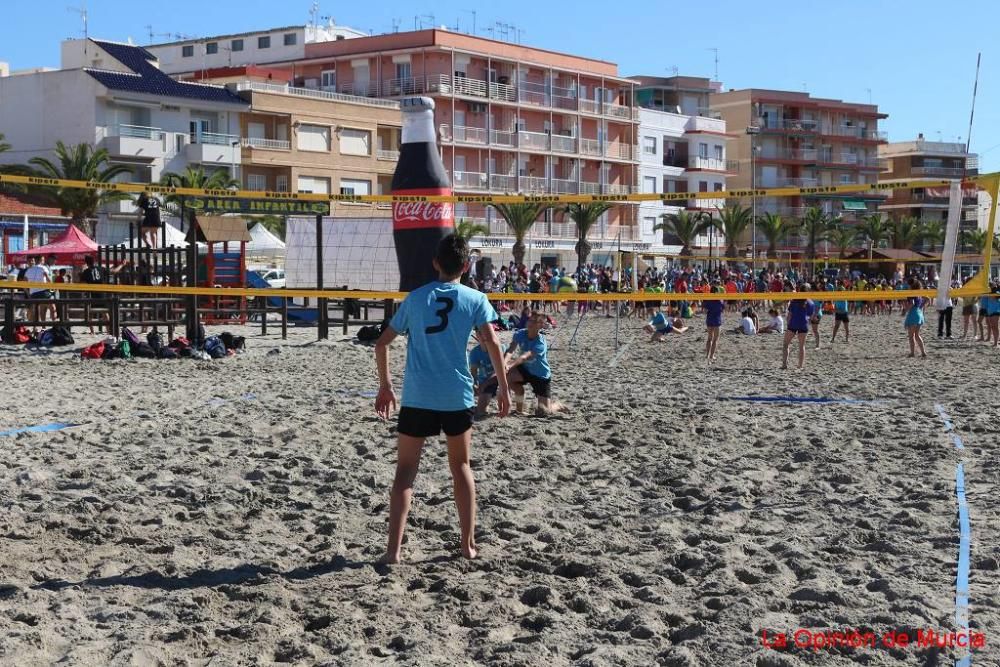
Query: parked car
[[274, 277]]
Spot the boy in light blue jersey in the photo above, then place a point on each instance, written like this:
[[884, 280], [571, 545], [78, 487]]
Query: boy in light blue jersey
[[483, 377], [531, 367], [437, 385], [663, 324]]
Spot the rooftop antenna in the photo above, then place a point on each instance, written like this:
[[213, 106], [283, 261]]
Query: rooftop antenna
[[314, 15], [395, 25], [715, 50], [674, 69], [869, 95], [473, 12], [972, 113]]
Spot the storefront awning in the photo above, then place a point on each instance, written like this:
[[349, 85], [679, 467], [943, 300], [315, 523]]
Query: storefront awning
[[853, 205]]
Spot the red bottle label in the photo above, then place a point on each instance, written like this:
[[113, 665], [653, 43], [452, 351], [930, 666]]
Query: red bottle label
[[422, 214]]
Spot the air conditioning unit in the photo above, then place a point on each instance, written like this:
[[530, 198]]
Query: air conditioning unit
[[477, 107]]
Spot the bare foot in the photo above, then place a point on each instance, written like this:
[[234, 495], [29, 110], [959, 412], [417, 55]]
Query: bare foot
[[784, 367], [389, 559], [470, 552]]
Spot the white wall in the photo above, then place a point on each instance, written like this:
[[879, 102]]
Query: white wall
[[173, 62], [36, 110]]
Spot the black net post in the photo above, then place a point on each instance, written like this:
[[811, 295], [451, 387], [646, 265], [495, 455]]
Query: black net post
[[321, 303]]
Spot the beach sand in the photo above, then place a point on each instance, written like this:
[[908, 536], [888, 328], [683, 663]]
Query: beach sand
[[229, 512]]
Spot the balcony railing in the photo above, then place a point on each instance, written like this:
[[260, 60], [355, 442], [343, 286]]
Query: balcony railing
[[503, 138], [790, 124], [533, 93], [503, 183], [591, 147], [360, 88], [619, 151], [793, 182], [564, 187], [590, 106], [267, 144], [618, 111], [712, 163], [138, 132], [853, 131], [384, 154], [312, 93], [534, 184], [946, 172], [503, 92], [589, 188], [563, 144], [469, 180], [403, 86], [533, 140], [215, 139], [617, 189], [464, 134]]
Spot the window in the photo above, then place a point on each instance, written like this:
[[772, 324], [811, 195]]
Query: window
[[403, 71], [281, 183], [717, 187], [355, 142], [264, 42], [291, 39], [703, 185], [648, 184], [236, 45], [649, 145], [703, 150], [211, 48], [314, 184], [257, 182], [187, 51], [647, 225], [314, 138], [350, 186], [846, 179], [328, 80], [718, 151]]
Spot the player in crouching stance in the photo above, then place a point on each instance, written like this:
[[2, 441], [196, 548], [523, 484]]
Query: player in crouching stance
[[437, 386], [531, 367]]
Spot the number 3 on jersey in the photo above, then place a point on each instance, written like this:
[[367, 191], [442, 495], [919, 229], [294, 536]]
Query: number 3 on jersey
[[447, 305]]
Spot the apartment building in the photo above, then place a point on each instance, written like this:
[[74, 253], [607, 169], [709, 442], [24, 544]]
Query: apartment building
[[113, 96], [928, 159], [803, 141], [511, 119], [682, 149], [278, 45]]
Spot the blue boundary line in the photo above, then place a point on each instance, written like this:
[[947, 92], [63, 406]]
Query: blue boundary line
[[40, 428], [794, 399], [964, 541]]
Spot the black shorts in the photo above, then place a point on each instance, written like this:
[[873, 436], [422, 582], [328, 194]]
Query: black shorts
[[841, 317], [798, 331], [540, 386], [489, 386], [421, 423], [968, 310], [44, 294]]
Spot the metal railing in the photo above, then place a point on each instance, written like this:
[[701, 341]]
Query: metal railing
[[563, 186], [533, 93], [312, 93], [947, 172], [360, 88], [138, 132], [617, 189], [383, 154], [534, 184], [267, 144], [590, 106], [590, 188], [853, 131], [215, 139], [503, 92], [791, 124], [618, 111], [466, 134], [503, 182], [403, 86], [712, 163], [503, 138], [793, 182], [563, 143], [591, 147], [533, 140], [619, 151], [469, 180]]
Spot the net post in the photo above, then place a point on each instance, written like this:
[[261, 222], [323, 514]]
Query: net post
[[191, 308], [321, 302], [284, 317]]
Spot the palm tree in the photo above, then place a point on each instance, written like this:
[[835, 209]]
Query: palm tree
[[973, 240], [520, 218], [585, 216], [195, 177], [4, 146], [732, 223], [875, 229], [775, 229], [466, 229], [933, 234], [79, 163], [686, 226], [905, 233], [843, 237], [814, 227]]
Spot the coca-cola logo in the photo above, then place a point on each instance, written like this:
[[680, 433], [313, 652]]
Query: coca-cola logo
[[422, 211]]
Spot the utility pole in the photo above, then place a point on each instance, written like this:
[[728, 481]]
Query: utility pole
[[753, 131]]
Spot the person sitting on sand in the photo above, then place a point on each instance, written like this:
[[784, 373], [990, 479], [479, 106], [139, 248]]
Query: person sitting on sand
[[531, 367], [777, 324], [663, 324], [437, 386], [748, 323]]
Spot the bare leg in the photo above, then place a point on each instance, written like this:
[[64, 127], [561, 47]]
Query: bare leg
[[911, 338], [920, 340], [802, 350], [836, 326], [847, 332], [407, 463], [465, 489], [784, 348]]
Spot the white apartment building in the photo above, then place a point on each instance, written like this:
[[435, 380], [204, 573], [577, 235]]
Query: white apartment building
[[113, 96], [273, 46], [680, 153]]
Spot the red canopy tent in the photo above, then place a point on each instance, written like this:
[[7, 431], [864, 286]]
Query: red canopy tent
[[70, 247]]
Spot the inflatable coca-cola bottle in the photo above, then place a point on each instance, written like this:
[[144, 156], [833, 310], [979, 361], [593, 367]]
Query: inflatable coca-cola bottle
[[418, 226]]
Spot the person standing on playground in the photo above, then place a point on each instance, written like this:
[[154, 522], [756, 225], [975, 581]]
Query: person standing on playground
[[149, 219], [437, 385]]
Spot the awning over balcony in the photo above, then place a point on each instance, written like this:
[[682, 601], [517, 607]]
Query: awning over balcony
[[854, 205]]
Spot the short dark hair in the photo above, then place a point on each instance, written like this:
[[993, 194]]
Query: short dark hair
[[452, 254]]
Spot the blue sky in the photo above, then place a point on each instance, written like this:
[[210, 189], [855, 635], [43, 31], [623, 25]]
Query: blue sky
[[915, 59]]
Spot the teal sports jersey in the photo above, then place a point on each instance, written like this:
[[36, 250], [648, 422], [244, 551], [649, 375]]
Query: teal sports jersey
[[840, 306], [438, 318], [480, 358], [660, 323], [538, 364]]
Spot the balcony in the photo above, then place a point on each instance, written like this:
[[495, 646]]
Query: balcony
[[456, 85], [713, 164], [534, 184], [943, 172], [461, 134], [591, 147], [563, 187], [267, 144], [562, 143], [792, 182], [619, 151], [502, 138], [535, 94], [212, 148], [790, 124], [360, 88], [135, 141], [790, 154], [538, 141], [403, 86], [469, 180], [590, 106], [617, 189], [388, 155], [853, 131], [312, 93], [503, 183], [502, 92], [588, 188], [618, 111]]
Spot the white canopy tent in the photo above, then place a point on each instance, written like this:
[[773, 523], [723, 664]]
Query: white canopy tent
[[175, 237], [264, 246]]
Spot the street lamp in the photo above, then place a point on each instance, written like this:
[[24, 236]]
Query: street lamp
[[753, 131]]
